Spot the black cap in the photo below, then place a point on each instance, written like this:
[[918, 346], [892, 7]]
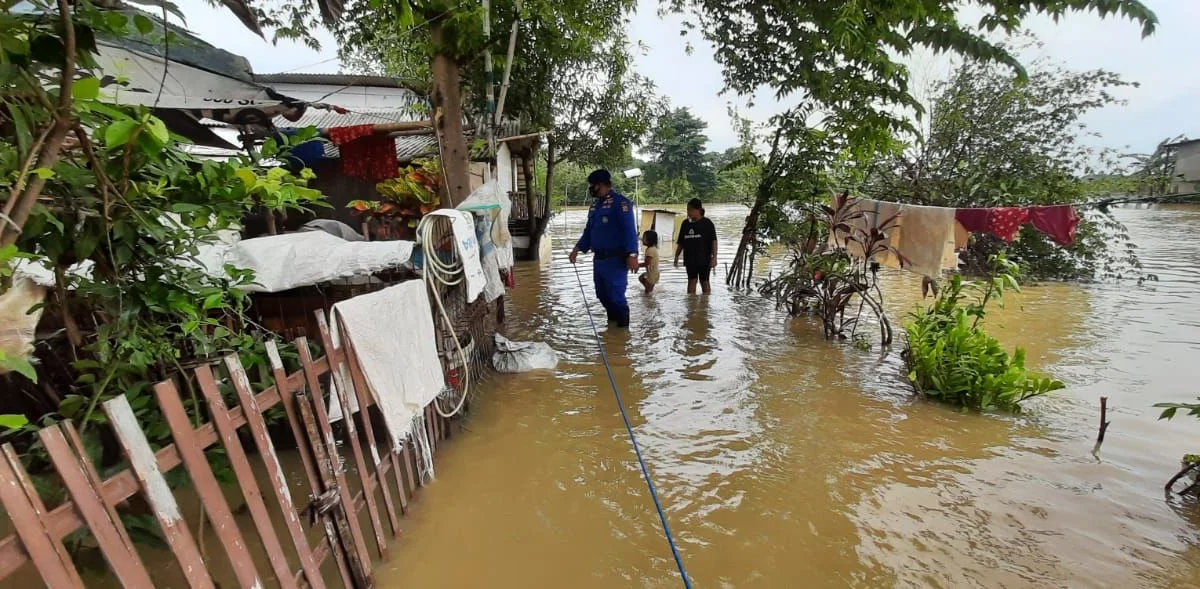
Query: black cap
[[600, 176]]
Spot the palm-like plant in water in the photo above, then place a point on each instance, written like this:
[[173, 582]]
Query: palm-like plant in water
[[834, 266]]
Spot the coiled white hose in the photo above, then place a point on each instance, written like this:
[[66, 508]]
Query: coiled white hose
[[447, 274]]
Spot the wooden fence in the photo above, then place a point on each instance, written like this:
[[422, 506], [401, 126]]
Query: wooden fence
[[331, 509]]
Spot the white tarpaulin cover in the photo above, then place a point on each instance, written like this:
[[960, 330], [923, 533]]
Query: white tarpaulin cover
[[393, 336], [279, 262], [292, 260], [186, 87]]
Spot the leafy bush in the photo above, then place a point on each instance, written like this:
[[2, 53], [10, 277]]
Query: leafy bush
[[951, 359], [823, 278]]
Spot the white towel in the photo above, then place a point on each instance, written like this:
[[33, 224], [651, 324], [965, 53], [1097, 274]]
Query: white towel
[[463, 225], [393, 336]]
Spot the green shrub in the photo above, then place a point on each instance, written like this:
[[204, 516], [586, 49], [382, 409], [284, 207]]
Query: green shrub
[[951, 359]]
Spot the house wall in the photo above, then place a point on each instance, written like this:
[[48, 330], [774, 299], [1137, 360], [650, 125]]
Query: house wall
[[1187, 165]]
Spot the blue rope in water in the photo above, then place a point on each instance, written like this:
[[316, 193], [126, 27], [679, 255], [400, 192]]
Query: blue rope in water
[[662, 516]]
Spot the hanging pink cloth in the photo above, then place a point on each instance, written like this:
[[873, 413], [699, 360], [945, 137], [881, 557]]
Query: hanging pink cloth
[[1059, 222]]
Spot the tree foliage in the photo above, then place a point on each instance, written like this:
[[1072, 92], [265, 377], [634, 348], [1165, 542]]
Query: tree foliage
[[119, 219], [845, 57], [678, 144], [952, 359], [995, 141]]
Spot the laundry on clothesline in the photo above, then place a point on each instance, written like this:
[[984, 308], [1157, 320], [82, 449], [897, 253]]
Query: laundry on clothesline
[[924, 236], [928, 237], [1059, 222]]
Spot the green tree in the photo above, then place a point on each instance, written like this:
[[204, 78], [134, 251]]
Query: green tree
[[678, 145], [570, 75], [670, 190], [844, 57]]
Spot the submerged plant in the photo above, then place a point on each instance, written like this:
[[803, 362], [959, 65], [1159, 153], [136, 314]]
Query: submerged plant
[[1190, 464], [832, 267], [951, 359]]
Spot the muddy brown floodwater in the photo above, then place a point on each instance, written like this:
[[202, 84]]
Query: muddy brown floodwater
[[784, 460]]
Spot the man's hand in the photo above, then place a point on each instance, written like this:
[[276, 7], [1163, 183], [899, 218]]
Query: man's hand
[[676, 262], [714, 262], [631, 262], [574, 254]]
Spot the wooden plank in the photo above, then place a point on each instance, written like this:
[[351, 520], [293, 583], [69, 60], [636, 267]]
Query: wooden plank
[[28, 515], [287, 399], [279, 483], [394, 458], [309, 452], [102, 520], [63, 520], [336, 360], [245, 476], [348, 546], [361, 390], [324, 433], [409, 470], [192, 455], [154, 488]]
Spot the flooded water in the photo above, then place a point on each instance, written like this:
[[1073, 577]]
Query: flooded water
[[785, 460]]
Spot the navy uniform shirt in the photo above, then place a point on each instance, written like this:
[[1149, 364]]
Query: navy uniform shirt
[[611, 230]]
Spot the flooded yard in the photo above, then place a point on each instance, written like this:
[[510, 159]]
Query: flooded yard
[[786, 460]]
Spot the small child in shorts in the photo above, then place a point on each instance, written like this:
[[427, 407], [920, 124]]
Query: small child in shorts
[[650, 277]]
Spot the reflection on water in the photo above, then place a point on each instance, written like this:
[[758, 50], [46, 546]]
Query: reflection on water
[[786, 460]]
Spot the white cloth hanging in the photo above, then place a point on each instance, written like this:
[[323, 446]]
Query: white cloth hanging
[[394, 340]]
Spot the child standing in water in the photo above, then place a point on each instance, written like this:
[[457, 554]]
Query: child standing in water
[[650, 278]]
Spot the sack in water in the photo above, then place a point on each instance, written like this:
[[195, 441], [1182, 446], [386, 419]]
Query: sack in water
[[512, 357]]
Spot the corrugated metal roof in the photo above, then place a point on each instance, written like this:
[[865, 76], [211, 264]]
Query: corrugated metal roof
[[407, 148], [325, 119], [332, 80]]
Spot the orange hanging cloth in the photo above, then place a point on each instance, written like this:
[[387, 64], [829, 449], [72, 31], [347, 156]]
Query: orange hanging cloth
[[365, 154]]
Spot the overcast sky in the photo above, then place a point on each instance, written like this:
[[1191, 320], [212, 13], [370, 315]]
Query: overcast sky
[[1166, 104]]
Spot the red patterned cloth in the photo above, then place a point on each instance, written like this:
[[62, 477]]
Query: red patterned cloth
[[1059, 222], [1003, 222], [365, 154]]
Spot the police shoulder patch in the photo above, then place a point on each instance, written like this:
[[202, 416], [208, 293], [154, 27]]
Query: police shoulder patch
[[624, 206]]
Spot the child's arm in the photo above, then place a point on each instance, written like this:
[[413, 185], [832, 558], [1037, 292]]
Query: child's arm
[[645, 262]]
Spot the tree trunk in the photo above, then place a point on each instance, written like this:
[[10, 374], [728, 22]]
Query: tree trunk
[[742, 270], [447, 107], [21, 202]]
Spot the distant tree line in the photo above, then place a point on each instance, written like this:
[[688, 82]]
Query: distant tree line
[[679, 168]]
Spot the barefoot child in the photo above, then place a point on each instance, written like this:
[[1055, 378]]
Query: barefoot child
[[650, 278]]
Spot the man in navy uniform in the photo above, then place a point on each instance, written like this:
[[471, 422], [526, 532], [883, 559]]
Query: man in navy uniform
[[611, 235]]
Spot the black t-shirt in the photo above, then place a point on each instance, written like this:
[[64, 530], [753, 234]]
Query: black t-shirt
[[696, 238]]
